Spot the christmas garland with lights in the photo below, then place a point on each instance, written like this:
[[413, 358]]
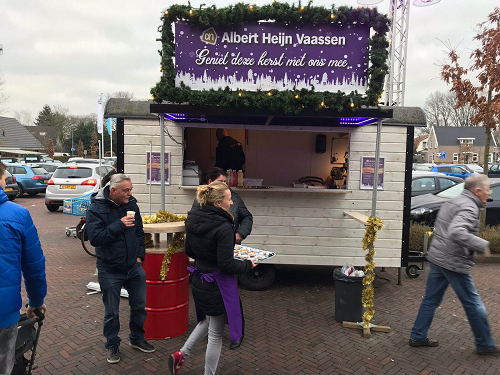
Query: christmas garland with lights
[[374, 225], [287, 101]]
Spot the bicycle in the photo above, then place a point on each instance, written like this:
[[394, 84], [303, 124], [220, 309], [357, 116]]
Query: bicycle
[[78, 207]]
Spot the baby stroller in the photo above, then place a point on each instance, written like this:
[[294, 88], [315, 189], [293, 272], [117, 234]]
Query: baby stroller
[[27, 340]]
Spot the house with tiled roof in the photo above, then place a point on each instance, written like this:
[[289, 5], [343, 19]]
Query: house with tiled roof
[[457, 145], [15, 137]]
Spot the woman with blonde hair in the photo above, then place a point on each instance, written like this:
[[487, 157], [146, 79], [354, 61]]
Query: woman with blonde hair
[[210, 242]]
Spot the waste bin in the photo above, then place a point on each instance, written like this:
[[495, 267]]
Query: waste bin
[[348, 293]]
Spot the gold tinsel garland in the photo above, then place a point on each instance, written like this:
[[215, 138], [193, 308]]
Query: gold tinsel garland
[[374, 225], [177, 242]]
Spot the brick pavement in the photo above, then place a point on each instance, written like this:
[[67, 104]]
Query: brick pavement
[[290, 328]]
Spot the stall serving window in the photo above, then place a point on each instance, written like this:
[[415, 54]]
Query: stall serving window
[[274, 158]]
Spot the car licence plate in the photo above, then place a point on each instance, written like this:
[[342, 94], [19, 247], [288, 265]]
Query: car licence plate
[[68, 186], [8, 189]]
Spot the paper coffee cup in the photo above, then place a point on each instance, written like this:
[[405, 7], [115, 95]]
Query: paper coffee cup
[[131, 213]]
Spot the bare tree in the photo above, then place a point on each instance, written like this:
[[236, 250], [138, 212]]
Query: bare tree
[[117, 94], [4, 98], [438, 110], [24, 117]]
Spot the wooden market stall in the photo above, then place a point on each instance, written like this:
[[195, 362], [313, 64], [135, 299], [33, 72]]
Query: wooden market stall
[[302, 225]]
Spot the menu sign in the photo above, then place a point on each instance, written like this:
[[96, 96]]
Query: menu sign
[[265, 56], [368, 173], [154, 166]]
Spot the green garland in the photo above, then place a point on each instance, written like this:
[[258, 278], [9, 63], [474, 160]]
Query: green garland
[[288, 101]]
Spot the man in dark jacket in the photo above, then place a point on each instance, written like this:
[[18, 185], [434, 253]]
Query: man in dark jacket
[[114, 227], [451, 256], [229, 153], [20, 253], [243, 219]]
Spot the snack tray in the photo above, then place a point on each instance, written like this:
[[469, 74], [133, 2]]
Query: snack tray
[[250, 253]]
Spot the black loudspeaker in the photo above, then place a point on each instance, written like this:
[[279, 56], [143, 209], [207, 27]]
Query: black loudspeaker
[[320, 144]]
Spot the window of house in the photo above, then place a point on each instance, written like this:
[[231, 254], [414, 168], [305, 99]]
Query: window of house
[[424, 144], [432, 157], [430, 144], [474, 158], [455, 157]]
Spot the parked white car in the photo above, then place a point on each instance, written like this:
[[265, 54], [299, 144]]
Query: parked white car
[[475, 168], [71, 181]]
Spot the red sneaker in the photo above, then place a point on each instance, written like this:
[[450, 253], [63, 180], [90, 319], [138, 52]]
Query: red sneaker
[[175, 362]]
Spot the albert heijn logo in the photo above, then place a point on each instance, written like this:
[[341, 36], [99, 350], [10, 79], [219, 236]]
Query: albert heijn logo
[[209, 36]]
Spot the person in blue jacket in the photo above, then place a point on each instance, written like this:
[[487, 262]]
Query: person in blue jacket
[[20, 254], [120, 250]]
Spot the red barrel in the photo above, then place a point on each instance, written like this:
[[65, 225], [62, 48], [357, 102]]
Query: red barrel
[[167, 301]]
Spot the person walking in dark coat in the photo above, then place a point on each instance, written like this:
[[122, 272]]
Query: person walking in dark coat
[[20, 254], [229, 152], [243, 219], [210, 242], [114, 228], [451, 257]]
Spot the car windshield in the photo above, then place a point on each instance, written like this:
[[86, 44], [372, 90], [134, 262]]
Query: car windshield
[[50, 168], [453, 191], [39, 170], [72, 172]]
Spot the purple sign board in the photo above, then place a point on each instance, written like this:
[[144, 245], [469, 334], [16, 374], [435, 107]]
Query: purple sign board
[[368, 173], [268, 55], [154, 165]]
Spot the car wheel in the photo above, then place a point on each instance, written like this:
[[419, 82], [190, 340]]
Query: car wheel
[[52, 207], [258, 278], [21, 190]]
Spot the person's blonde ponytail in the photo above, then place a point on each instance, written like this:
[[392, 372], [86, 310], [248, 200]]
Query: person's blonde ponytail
[[209, 194]]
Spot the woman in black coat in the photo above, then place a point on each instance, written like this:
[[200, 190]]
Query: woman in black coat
[[210, 241]]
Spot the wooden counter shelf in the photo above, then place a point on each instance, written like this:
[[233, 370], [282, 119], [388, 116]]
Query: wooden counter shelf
[[282, 189]]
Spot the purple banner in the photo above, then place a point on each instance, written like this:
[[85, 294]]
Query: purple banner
[[267, 56], [368, 173], [154, 164]]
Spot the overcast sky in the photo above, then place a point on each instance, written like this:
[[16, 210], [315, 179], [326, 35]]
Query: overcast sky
[[65, 53]]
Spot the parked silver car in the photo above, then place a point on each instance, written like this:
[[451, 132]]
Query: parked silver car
[[71, 181]]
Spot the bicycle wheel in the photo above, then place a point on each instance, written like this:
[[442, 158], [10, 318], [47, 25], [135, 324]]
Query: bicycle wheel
[[89, 249]]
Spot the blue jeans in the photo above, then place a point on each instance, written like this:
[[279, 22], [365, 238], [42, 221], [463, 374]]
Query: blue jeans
[[135, 283], [8, 338], [463, 285]]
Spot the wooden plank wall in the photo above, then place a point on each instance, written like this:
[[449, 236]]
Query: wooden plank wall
[[302, 228]]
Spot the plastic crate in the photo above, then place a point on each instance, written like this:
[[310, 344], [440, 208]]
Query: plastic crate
[[77, 206]]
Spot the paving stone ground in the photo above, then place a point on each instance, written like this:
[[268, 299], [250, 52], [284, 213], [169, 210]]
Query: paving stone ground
[[290, 328]]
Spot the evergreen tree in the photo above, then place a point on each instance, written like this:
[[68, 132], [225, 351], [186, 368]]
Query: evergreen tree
[[45, 117]]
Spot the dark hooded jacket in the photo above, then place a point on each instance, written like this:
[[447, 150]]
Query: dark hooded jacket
[[242, 218], [117, 247], [210, 241]]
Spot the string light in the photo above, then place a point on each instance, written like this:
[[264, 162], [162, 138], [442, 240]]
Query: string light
[[240, 94], [190, 12], [322, 104], [302, 7], [166, 12], [297, 96], [352, 105], [379, 100], [161, 69], [251, 7], [152, 98], [332, 16], [269, 93]]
